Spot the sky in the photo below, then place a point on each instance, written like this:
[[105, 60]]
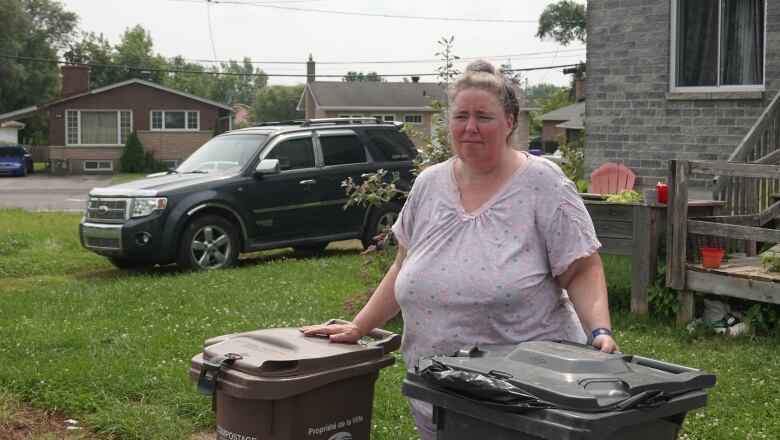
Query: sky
[[279, 35]]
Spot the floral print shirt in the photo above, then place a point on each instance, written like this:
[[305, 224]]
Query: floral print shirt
[[489, 276]]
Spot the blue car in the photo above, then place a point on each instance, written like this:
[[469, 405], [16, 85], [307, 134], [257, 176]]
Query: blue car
[[15, 160]]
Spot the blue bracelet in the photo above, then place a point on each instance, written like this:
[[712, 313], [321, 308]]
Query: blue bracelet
[[600, 331]]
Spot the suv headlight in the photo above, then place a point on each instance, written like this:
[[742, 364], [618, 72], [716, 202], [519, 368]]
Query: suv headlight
[[146, 205]]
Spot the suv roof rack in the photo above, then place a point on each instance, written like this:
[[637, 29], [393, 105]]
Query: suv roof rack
[[335, 121], [288, 122], [326, 121]]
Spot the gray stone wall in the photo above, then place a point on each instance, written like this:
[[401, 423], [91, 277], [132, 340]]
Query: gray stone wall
[[632, 119]]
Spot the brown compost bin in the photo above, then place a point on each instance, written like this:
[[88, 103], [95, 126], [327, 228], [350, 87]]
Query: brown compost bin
[[277, 384]]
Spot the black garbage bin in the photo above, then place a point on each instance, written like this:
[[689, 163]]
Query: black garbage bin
[[555, 390], [276, 384]]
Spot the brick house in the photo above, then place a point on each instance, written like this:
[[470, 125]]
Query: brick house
[[407, 102], [88, 128], [676, 79], [565, 121]]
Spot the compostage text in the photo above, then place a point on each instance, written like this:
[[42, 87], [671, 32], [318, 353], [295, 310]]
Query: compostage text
[[224, 434]]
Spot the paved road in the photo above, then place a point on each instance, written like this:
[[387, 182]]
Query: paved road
[[43, 192]]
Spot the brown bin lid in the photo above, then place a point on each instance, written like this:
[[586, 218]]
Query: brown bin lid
[[284, 352]]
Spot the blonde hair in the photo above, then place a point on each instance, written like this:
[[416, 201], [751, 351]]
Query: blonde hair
[[482, 75]]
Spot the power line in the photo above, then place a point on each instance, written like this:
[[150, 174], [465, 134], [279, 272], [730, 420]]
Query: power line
[[211, 32], [363, 14], [206, 72], [270, 2], [489, 57]]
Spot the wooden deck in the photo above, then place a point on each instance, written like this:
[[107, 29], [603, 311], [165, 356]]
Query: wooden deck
[[740, 277]]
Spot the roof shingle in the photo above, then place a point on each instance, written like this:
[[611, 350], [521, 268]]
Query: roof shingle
[[378, 95]]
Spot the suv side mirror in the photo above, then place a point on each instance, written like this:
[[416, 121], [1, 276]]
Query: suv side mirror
[[267, 166]]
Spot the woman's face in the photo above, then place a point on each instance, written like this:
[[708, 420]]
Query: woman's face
[[479, 128]]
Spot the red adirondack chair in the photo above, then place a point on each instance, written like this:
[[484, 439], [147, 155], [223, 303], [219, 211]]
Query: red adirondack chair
[[611, 178]]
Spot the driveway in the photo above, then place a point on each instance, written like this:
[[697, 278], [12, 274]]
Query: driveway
[[43, 192]]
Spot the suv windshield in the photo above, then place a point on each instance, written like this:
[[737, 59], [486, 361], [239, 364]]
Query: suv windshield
[[223, 153], [11, 152]]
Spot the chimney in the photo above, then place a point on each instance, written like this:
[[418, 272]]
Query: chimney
[[75, 79], [579, 89], [415, 79], [310, 70]]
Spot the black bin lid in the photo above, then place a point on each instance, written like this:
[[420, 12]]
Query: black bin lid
[[574, 376]]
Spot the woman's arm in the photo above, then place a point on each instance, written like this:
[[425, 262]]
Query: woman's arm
[[380, 308], [586, 285]]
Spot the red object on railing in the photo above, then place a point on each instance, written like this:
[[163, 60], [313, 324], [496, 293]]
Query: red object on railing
[[711, 257], [663, 192]]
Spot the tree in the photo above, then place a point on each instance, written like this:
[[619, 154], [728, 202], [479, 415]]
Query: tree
[[198, 84], [563, 22], [132, 159], [134, 51], [95, 50], [365, 77], [240, 84], [510, 74], [34, 29], [542, 91], [277, 103]]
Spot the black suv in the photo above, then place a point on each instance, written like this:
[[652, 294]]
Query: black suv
[[270, 186]]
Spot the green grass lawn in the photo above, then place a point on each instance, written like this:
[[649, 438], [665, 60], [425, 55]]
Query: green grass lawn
[[112, 349]]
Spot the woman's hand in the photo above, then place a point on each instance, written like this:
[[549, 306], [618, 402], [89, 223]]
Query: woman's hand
[[606, 344], [335, 332]]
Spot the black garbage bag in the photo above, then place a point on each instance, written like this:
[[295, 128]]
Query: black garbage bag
[[495, 392], [491, 391]]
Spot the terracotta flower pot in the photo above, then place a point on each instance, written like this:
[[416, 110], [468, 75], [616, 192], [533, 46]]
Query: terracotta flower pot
[[711, 257]]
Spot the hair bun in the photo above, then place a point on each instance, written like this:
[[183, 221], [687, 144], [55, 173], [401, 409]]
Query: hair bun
[[481, 65]]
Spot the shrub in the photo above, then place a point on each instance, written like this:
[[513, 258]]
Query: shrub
[[152, 165], [132, 159]]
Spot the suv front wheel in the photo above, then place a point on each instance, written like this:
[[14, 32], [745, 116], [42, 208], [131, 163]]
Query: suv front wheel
[[208, 242], [381, 220]]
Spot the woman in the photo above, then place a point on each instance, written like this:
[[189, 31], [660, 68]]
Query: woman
[[494, 245]]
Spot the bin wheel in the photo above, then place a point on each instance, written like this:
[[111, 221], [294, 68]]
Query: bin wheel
[[209, 242]]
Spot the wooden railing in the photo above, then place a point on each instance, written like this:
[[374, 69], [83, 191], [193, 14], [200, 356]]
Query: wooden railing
[[761, 145], [744, 227]]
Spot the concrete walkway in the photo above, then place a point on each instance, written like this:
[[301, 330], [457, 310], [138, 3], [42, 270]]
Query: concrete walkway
[[43, 192]]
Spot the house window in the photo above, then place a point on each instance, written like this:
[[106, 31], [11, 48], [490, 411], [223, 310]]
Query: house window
[[98, 165], [413, 119], [386, 118], [175, 120], [96, 127], [73, 127], [718, 44]]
